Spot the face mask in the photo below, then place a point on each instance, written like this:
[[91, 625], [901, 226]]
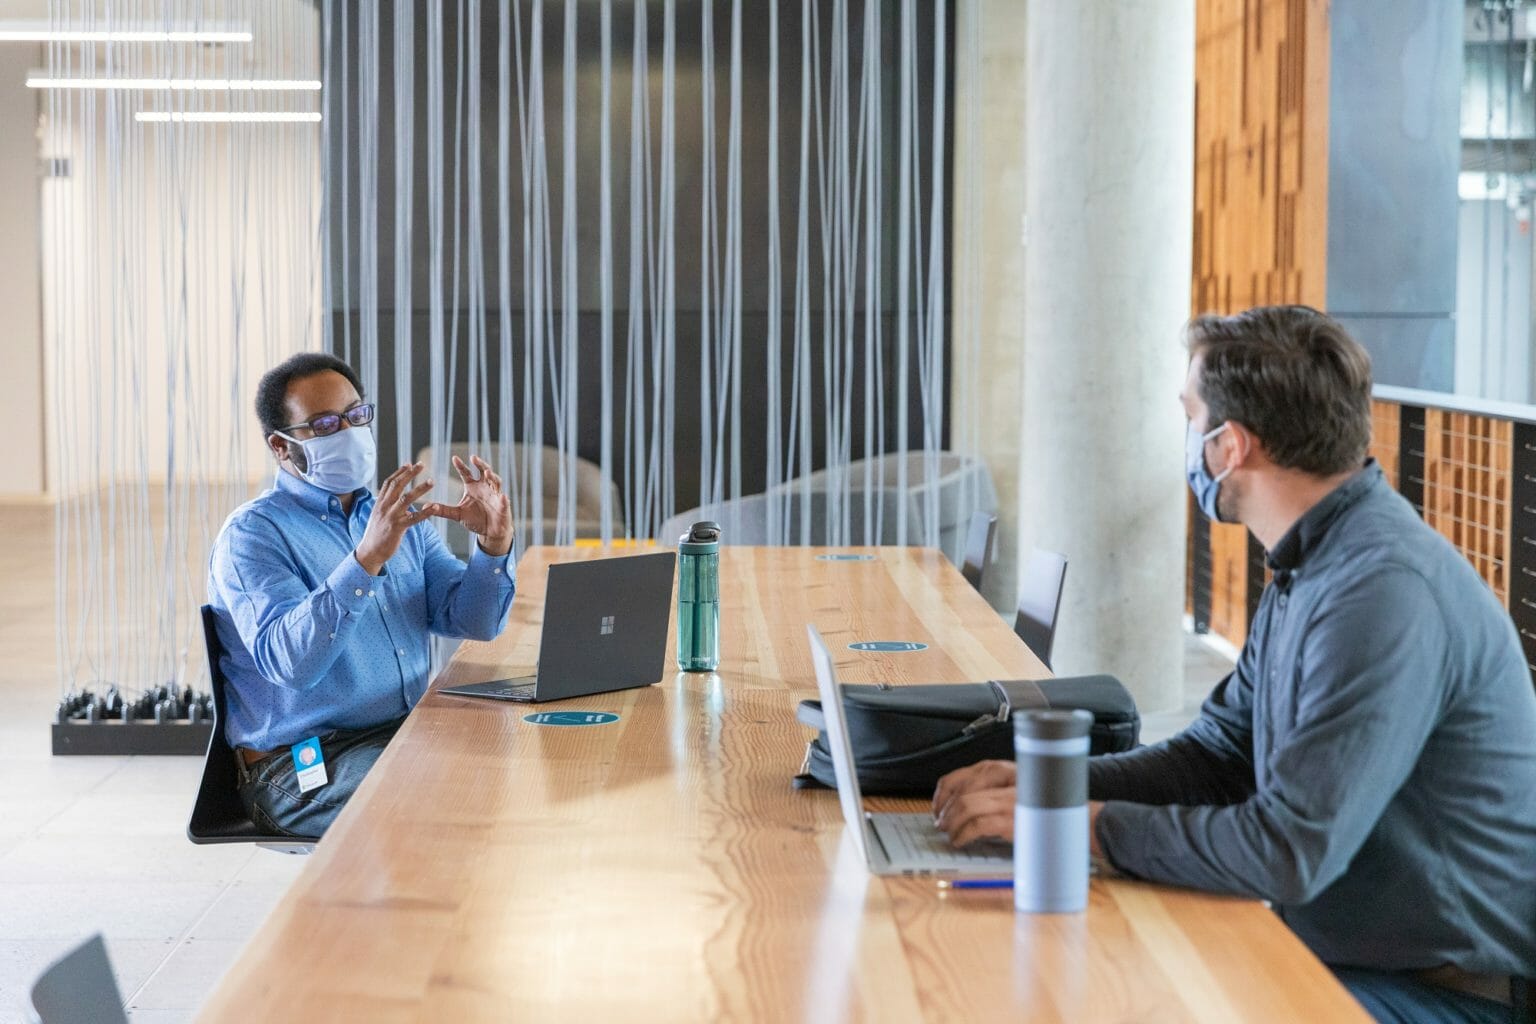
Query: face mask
[[1205, 486], [339, 463]]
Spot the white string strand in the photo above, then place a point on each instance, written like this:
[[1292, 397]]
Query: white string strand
[[605, 274], [404, 227], [774, 513]]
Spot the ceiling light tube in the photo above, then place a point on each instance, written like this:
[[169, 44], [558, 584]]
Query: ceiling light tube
[[23, 33], [39, 80], [227, 117]]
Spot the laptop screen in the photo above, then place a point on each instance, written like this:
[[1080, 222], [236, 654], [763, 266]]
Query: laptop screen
[[837, 739]]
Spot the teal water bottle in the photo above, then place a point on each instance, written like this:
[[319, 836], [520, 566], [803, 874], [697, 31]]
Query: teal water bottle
[[698, 598]]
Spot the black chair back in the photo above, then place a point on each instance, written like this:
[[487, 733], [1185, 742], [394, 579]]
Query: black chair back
[[218, 813], [978, 547], [1040, 601]]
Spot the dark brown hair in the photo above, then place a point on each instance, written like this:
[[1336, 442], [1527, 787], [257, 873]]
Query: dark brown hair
[[1294, 377]]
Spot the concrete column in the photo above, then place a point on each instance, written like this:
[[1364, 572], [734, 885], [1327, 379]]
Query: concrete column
[[988, 232], [21, 337], [1108, 114]]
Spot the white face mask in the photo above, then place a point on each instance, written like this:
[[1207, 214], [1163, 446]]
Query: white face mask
[[1206, 487], [339, 463]]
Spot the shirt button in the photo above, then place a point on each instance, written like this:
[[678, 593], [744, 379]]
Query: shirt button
[[358, 591], [323, 518], [370, 593], [497, 570], [401, 652], [333, 636]]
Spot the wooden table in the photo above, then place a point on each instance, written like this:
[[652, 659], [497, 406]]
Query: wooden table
[[662, 868]]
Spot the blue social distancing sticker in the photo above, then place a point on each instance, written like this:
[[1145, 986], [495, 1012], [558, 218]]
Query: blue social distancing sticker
[[571, 718], [848, 557], [888, 646]]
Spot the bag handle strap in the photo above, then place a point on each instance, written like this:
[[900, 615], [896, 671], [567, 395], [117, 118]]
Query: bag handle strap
[[1015, 694]]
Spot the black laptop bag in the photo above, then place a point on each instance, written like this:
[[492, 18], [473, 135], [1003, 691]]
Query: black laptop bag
[[906, 737]]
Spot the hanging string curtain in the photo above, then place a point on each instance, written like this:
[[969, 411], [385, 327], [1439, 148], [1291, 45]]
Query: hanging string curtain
[[181, 258], [708, 272], [703, 245]]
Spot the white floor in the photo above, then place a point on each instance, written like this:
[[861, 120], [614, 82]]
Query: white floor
[[98, 844]]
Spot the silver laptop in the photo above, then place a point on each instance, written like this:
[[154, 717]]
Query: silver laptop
[[892, 844], [605, 629]]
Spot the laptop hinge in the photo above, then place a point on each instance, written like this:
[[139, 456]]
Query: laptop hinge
[[873, 833]]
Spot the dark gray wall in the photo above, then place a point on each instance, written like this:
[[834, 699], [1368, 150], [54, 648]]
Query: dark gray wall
[[1394, 150], [345, 223]]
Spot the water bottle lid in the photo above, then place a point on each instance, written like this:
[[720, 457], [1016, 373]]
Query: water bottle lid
[[1053, 724], [702, 539]]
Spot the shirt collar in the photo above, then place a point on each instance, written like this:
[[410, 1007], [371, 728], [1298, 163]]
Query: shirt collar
[[1307, 533], [311, 498]]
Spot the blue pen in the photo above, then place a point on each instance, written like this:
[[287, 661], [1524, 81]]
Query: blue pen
[[976, 883]]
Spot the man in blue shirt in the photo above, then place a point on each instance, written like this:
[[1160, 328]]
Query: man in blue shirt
[[326, 595]]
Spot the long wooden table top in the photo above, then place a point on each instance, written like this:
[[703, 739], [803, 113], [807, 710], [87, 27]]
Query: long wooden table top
[[662, 867]]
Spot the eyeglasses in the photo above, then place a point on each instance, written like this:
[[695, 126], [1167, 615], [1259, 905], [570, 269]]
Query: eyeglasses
[[328, 423]]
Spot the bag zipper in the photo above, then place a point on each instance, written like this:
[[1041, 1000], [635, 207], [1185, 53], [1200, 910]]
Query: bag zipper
[[1002, 714]]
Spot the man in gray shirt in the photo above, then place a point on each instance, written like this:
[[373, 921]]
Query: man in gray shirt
[[1369, 766]]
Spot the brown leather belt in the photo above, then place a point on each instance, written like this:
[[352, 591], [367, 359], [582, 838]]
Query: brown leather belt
[[1496, 987], [250, 758]]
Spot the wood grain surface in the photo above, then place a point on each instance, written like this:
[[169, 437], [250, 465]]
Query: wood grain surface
[[662, 867]]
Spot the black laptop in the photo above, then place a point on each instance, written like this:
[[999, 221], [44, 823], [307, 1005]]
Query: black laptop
[[605, 629]]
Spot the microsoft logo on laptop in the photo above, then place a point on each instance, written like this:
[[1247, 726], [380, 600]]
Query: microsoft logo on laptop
[[607, 628]]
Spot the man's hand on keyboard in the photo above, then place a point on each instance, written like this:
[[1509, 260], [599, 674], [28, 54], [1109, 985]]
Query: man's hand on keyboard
[[976, 803]]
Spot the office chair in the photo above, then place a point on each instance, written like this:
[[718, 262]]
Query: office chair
[[978, 547], [1040, 601], [218, 814], [79, 988]]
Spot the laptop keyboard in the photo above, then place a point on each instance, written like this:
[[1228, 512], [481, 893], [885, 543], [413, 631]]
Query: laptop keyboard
[[522, 691], [912, 838]]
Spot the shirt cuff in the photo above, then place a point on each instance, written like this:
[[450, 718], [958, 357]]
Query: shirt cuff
[[351, 584], [500, 566]]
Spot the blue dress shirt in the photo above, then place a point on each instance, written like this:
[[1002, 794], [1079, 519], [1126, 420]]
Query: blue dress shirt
[[311, 642]]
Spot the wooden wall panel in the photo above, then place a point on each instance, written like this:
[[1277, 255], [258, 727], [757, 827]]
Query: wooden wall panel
[[1467, 473], [1261, 194], [1386, 437]]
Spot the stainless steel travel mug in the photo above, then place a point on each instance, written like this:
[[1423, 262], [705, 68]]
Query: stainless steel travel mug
[[1050, 820]]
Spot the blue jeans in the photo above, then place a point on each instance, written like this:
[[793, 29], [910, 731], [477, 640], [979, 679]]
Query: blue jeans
[[1393, 998], [270, 788]]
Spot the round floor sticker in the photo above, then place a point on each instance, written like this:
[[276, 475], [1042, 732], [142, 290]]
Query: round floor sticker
[[888, 646], [571, 718], [840, 557]]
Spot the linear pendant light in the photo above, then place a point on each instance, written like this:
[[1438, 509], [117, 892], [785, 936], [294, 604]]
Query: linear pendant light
[[43, 81], [43, 31], [227, 117]]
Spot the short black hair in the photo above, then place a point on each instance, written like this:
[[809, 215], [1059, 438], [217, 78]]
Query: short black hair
[[272, 391], [1294, 377]]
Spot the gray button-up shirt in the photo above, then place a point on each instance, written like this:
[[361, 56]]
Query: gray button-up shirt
[[1369, 765]]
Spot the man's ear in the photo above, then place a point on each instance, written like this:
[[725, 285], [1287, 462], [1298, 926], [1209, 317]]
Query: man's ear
[[286, 451], [1247, 444]]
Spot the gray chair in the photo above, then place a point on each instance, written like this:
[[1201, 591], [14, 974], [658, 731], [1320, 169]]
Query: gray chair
[[978, 547], [946, 485], [218, 813], [79, 988], [1040, 587], [746, 520]]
